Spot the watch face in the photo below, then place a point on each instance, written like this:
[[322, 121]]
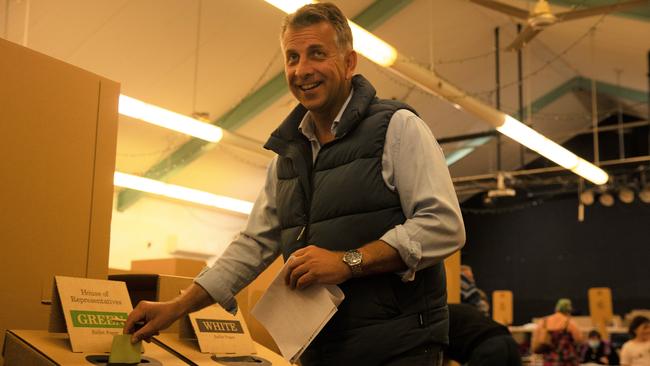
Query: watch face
[[352, 257]]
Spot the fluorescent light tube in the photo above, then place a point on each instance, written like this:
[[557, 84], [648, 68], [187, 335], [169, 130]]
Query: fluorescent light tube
[[137, 109], [366, 43], [181, 193], [505, 124], [289, 6], [372, 47], [552, 151]]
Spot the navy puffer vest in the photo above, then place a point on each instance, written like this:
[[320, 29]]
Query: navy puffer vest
[[342, 202]]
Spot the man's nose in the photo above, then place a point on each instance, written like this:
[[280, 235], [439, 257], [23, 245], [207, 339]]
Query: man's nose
[[304, 68]]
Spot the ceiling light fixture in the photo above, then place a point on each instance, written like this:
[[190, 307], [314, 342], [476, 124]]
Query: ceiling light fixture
[[372, 47], [181, 193], [385, 55], [626, 195], [158, 116], [289, 6], [606, 199], [587, 197], [552, 151], [644, 195]]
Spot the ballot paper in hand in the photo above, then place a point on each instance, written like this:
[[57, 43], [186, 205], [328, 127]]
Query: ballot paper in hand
[[295, 317]]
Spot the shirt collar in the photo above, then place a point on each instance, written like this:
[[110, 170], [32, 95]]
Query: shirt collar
[[307, 127]]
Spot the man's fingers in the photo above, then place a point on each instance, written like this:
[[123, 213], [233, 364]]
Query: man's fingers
[[305, 281], [145, 334], [300, 252], [136, 315], [291, 266], [296, 274]]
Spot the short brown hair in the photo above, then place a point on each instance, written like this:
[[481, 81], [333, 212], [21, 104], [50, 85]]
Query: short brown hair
[[638, 321], [321, 12]]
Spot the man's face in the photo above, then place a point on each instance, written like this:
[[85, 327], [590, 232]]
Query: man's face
[[317, 71], [643, 331]]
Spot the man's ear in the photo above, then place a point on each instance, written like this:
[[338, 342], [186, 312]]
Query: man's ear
[[350, 64]]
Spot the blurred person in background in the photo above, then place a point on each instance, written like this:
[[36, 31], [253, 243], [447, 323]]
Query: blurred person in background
[[477, 340], [469, 293], [557, 337], [636, 351], [596, 350]]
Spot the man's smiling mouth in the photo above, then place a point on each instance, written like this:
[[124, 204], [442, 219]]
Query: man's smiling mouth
[[310, 86]]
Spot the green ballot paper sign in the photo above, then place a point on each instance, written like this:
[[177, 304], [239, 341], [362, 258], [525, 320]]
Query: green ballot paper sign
[[90, 311], [122, 351]]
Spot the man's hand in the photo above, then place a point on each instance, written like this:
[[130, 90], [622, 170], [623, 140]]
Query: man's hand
[[312, 264], [156, 317]]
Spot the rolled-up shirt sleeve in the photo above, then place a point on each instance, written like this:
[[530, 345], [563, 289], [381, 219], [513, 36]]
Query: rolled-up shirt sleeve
[[414, 166], [251, 251]]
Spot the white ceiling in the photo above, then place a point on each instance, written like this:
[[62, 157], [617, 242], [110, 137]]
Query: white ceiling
[[150, 47]]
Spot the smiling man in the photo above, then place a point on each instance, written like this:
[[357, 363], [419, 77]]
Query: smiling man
[[359, 196]]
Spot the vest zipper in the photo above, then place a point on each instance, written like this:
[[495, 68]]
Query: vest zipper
[[304, 232], [305, 229]]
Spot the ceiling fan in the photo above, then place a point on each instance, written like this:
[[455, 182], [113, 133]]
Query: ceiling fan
[[541, 16]]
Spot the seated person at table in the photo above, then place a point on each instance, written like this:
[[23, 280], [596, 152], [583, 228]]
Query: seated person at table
[[636, 351], [476, 340], [469, 293], [596, 350]]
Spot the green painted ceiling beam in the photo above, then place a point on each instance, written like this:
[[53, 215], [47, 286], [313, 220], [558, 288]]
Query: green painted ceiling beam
[[639, 13], [576, 83], [370, 18], [612, 90]]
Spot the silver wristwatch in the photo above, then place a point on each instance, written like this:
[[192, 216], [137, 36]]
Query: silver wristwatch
[[354, 259]]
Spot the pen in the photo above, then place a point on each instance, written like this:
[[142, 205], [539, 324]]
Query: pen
[[302, 231]]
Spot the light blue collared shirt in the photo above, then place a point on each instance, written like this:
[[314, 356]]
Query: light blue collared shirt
[[413, 165]]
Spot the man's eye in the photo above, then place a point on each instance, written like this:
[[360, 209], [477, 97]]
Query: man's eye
[[319, 54], [292, 58]]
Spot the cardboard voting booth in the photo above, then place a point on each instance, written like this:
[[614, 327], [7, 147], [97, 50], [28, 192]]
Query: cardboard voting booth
[[601, 309], [59, 129], [502, 306], [86, 316]]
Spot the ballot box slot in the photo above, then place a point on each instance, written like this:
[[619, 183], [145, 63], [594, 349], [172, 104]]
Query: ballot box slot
[[102, 360], [240, 360]]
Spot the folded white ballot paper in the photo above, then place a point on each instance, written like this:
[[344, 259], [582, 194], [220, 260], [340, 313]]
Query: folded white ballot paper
[[295, 317]]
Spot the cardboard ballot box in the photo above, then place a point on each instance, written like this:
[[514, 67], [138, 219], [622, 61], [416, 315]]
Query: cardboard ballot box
[[153, 287], [40, 348], [189, 349]]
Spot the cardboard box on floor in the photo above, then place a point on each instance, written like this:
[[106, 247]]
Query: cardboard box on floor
[[249, 296], [40, 348], [59, 129], [169, 266], [153, 287]]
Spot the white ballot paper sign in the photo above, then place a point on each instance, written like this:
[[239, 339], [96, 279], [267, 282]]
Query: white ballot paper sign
[[295, 317]]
